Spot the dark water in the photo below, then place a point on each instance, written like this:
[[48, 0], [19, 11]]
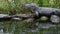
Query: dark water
[[15, 27]]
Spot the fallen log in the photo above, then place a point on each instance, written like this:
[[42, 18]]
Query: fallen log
[[6, 17], [23, 16], [28, 18]]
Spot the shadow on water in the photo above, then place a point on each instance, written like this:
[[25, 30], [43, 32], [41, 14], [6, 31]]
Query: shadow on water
[[20, 27]]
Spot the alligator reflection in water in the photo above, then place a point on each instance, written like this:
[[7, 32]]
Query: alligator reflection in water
[[41, 27], [45, 28]]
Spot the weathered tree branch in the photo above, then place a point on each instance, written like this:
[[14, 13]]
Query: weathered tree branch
[[39, 12], [16, 17]]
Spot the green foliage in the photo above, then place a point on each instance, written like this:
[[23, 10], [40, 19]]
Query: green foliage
[[6, 5]]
